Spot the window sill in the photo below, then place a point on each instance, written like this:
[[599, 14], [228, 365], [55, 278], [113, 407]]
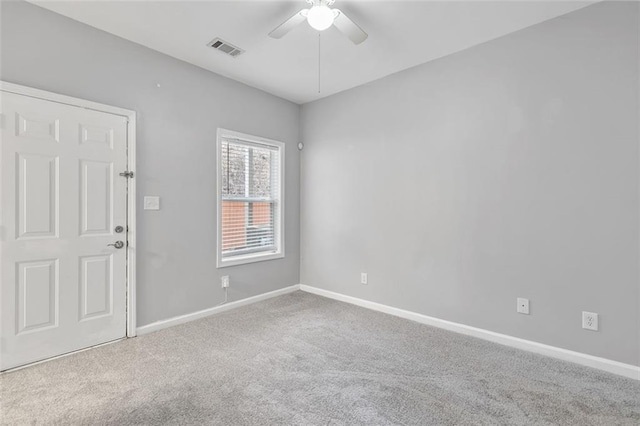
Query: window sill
[[248, 258]]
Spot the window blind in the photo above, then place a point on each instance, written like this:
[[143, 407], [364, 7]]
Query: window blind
[[250, 197]]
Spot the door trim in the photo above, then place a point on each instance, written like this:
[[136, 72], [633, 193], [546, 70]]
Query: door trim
[[131, 183]]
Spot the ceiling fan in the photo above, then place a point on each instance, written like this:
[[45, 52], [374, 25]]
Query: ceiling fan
[[320, 17]]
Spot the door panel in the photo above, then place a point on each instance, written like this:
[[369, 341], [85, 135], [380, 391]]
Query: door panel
[[63, 287], [37, 306], [37, 188], [96, 211], [97, 136], [96, 286], [37, 126]]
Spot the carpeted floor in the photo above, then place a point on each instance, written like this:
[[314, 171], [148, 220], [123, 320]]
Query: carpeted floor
[[306, 360]]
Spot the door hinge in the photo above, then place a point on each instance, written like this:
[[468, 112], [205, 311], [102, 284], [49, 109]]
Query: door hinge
[[127, 174]]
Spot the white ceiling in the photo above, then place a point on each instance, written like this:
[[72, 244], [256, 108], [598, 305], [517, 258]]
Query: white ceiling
[[402, 34]]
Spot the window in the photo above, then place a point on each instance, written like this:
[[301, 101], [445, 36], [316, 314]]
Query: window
[[250, 198]]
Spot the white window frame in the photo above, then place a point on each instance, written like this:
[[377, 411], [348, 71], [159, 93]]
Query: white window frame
[[278, 220]]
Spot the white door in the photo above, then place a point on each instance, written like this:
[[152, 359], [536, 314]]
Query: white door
[[63, 285]]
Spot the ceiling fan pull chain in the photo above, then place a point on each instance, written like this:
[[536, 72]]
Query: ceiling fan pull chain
[[318, 62]]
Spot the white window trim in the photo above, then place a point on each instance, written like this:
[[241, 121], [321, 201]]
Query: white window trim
[[278, 221]]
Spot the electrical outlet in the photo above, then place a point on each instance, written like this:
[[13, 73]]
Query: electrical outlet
[[364, 279], [523, 306], [590, 321], [225, 281]]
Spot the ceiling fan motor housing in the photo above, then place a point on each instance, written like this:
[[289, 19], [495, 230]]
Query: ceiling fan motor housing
[[321, 2]]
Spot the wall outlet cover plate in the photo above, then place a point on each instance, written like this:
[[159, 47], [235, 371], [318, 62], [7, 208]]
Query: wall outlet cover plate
[[590, 321], [523, 306]]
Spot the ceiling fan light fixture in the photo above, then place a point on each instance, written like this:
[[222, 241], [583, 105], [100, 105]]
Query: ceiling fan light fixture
[[320, 17]]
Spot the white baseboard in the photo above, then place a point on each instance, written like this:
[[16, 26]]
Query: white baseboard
[[604, 364], [159, 325]]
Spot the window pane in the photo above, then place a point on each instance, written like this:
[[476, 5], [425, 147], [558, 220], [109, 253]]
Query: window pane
[[260, 173], [247, 226], [233, 225], [261, 214], [234, 169]]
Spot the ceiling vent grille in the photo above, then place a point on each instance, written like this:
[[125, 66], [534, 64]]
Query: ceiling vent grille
[[224, 47]]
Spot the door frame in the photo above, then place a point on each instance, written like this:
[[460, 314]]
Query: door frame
[[131, 183]]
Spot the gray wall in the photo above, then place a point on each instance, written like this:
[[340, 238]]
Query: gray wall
[[176, 150], [510, 169], [506, 170]]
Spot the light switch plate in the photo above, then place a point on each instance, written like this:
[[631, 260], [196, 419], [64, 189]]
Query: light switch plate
[[151, 203]]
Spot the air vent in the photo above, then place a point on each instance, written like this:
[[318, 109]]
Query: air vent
[[225, 47]]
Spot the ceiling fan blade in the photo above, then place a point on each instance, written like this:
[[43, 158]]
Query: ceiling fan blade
[[349, 28], [289, 24]]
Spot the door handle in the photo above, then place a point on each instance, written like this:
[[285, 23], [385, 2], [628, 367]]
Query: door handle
[[117, 244]]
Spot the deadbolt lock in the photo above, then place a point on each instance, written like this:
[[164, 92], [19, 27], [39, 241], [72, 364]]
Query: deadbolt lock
[[119, 229]]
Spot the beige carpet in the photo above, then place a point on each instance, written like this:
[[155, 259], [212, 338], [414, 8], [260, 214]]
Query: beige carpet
[[306, 360]]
